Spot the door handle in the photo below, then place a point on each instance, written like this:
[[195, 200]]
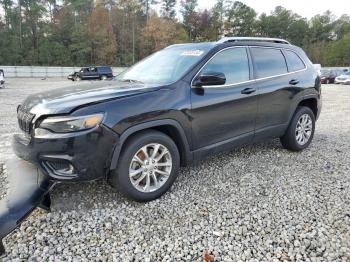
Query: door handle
[[294, 82], [248, 91]]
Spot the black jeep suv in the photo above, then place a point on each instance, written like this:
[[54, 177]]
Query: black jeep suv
[[171, 109], [89, 73]]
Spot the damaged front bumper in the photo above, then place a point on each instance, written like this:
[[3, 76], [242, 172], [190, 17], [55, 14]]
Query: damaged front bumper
[[28, 188]]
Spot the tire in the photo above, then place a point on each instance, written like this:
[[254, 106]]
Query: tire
[[77, 78], [104, 77], [290, 139], [121, 178]]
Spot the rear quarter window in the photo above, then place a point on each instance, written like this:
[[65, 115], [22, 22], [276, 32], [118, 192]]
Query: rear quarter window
[[104, 69], [294, 62], [268, 62]]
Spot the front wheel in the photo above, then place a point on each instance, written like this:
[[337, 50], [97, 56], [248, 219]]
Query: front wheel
[[300, 131], [148, 166]]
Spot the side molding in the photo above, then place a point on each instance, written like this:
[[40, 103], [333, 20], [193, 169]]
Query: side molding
[[188, 155]]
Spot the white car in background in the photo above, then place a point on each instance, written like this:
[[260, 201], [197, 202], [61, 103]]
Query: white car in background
[[2, 78], [343, 78]]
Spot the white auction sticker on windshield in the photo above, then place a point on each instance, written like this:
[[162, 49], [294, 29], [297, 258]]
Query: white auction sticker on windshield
[[192, 53]]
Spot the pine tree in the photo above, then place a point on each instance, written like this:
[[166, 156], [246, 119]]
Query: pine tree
[[168, 8]]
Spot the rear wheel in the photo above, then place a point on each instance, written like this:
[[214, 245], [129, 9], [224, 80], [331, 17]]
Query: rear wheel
[[300, 131], [148, 166], [104, 77]]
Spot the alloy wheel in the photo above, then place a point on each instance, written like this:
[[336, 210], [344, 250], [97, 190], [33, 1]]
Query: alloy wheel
[[303, 129], [150, 167]]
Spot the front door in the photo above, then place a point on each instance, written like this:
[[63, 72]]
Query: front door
[[223, 113]]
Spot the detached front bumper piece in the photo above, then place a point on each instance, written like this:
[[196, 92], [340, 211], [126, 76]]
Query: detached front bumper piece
[[28, 189]]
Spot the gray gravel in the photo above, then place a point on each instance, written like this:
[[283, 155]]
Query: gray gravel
[[257, 203]]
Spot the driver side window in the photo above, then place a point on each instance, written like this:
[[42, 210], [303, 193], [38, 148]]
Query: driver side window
[[232, 62]]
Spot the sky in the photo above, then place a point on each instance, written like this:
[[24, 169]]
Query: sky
[[305, 8]]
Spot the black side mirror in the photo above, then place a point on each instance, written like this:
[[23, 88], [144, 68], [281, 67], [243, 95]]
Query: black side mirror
[[209, 79]]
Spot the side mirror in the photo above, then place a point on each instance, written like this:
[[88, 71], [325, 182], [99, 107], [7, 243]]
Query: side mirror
[[209, 79]]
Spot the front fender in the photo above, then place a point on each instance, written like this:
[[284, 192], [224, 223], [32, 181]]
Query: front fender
[[156, 123]]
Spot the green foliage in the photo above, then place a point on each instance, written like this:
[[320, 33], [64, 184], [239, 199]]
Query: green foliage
[[283, 23], [339, 52], [240, 20], [121, 32]]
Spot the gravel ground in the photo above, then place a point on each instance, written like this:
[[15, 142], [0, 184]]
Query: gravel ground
[[257, 203]]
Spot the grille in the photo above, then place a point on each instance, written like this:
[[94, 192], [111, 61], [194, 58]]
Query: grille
[[24, 119]]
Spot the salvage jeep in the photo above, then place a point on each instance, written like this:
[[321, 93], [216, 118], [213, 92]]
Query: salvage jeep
[[169, 110]]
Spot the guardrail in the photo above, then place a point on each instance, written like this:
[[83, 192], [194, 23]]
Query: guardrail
[[56, 71], [45, 72]]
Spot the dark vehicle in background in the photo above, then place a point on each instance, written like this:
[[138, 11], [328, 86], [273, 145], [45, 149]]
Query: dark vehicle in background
[[89, 73], [169, 110], [2, 78], [328, 76]]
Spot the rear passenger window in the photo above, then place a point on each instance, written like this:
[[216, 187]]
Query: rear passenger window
[[268, 62], [233, 63], [293, 61]]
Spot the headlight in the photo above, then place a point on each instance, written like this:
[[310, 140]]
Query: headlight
[[68, 124]]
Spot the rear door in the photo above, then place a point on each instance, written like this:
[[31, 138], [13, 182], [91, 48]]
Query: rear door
[[276, 90]]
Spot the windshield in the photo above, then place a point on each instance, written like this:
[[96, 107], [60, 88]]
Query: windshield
[[166, 66]]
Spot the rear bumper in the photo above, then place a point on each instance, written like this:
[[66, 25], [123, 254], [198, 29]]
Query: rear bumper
[[85, 155], [28, 189]]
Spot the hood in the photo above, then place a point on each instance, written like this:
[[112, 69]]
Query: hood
[[64, 100]]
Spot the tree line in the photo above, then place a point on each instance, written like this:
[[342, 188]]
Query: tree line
[[121, 32]]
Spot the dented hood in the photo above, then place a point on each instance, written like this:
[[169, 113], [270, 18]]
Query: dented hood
[[64, 100]]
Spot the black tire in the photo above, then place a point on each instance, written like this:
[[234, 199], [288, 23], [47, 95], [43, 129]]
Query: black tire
[[289, 139], [120, 179]]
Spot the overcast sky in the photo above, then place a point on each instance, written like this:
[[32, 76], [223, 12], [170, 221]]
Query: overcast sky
[[305, 8]]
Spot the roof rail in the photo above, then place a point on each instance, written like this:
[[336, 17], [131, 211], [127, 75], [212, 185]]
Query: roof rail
[[254, 39]]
